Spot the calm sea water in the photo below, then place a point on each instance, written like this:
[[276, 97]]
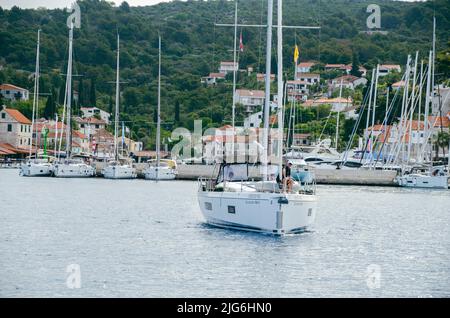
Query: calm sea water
[[144, 239]]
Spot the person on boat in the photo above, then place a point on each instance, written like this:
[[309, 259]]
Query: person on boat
[[286, 182]]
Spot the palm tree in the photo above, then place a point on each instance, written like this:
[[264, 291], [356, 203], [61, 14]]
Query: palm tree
[[442, 141]]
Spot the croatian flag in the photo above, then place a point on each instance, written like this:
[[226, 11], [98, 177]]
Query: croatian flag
[[241, 44]]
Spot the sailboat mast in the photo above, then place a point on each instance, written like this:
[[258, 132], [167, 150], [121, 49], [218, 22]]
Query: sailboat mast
[[413, 96], [35, 96], [337, 119], [374, 106], [69, 96], [158, 126], [116, 123], [267, 88], [280, 83], [369, 107], [234, 70]]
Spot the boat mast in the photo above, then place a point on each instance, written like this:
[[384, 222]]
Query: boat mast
[[116, 123], [420, 112], [267, 89], [427, 104], [374, 105], [280, 82], [234, 71], [337, 119], [158, 126], [69, 96], [35, 96], [368, 110], [413, 96]]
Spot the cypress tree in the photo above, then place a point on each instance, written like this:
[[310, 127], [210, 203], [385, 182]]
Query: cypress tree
[[93, 97]]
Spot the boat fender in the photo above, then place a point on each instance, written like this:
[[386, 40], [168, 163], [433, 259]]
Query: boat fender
[[283, 200]]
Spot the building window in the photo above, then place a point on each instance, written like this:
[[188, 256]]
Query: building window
[[3, 115], [9, 127], [231, 209], [20, 141], [96, 126], [21, 128]]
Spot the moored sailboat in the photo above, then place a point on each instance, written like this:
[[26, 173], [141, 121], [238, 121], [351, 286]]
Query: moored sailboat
[[115, 169], [71, 166], [159, 169], [37, 166]]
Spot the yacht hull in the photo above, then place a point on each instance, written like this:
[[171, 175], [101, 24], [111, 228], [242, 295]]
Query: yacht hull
[[119, 172], [161, 173], [423, 181], [79, 170], [271, 213], [31, 169]]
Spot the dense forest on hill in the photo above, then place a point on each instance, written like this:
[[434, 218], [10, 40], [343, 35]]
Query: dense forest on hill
[[193, 46]]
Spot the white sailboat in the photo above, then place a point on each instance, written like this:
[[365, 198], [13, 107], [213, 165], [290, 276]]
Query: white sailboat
[[115, 169], [36, 167], [70, 166], [232, 200], [160, 169]]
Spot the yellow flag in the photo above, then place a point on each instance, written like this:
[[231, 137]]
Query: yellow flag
[[296, 54]]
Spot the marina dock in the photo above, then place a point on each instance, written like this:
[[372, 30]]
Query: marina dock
[[323, 176]]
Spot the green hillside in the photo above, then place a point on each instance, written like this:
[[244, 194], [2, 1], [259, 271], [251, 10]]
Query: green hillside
[[193, 46]]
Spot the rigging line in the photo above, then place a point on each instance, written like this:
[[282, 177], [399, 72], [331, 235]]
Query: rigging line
[[260, 41]]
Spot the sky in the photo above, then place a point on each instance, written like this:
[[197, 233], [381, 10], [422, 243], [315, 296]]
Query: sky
[[7, 4]]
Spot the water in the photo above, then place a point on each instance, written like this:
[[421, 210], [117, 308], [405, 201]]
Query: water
[[141, 239]]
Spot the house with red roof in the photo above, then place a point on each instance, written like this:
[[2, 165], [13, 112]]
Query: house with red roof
[[15, 128], [13, 92]]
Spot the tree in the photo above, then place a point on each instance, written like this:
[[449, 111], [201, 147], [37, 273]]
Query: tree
[[177, 112], [81, 93], [355, 65], [92, 94], [50, 106], [442, 141]]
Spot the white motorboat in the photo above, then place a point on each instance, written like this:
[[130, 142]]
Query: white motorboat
[[232, 200], [115, 169], [435, 178], [166, 170], [320, 152]]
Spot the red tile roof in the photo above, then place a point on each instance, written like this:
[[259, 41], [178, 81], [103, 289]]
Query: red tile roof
[[18, 116], [11, 87]]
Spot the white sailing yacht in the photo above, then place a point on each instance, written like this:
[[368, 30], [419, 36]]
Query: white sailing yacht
[[232, 200], [115, 169], [71, 167], [160, 169], [36, 167]]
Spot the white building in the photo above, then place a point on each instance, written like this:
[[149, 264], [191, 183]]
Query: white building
[[15, 128], [305, 67], [12, 92], [337, 104], [309, 78], [89, 126], [297, 90], [254, 120], [348, 81], [251, 99], [227, 67], [213, 78], [385, 69], [89, 112]]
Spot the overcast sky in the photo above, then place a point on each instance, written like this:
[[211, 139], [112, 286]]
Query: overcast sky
[[65, 3], [7, 4]]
